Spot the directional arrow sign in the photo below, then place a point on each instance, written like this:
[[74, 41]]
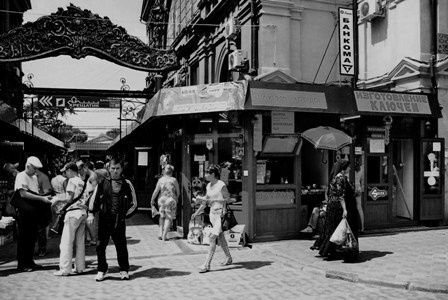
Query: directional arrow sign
[[46, 101], [376, 193]]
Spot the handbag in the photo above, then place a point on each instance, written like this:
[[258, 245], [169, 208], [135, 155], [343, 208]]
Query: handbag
[[228, 220], [340, 234]]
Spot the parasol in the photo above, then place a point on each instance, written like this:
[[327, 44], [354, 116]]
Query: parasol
[[328, 138]]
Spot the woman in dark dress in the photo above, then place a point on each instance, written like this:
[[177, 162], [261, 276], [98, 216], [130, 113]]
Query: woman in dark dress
[[341, 204]]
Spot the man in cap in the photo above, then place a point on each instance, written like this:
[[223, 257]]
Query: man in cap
[[28, 221]]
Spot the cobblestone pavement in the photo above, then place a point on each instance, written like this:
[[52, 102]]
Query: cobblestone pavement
[[169, 270], [409, 259]]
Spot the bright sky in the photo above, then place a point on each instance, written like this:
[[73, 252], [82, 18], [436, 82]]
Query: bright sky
[[90, 72]]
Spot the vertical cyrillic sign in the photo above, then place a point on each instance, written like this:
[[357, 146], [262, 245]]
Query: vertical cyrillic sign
[[346, 47]]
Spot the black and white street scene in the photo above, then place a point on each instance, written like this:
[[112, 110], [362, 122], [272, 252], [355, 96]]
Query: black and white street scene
[[223, 149]]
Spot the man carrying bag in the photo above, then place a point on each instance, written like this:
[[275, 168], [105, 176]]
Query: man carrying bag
[[32, 213]]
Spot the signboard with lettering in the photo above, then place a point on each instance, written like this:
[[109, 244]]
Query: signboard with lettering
[[282, 122], [396, 103], [288, 98], [55, 101], [346, 48]]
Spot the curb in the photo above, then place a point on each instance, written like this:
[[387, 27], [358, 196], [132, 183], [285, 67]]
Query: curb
[[356, 278], [407, 285]]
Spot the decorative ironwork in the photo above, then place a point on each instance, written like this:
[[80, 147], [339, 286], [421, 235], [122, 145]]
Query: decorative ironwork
[[80, 33], [28, 81]]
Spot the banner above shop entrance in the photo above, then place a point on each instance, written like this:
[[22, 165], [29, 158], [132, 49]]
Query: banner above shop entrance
[[197, 99], [392, 103]]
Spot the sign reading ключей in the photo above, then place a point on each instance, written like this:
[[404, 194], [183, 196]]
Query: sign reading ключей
[[384, 102]]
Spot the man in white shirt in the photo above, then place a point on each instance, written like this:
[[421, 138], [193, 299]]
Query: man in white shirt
[[28, 220], [74, 224]]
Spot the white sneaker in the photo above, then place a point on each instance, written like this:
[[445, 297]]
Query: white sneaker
[[100, 276], [124, 275]]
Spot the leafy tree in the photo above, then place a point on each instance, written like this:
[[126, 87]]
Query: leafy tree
[[49, 121], [113, 133]]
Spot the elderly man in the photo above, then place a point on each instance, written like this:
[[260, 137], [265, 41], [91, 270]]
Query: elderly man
[[28, 221]]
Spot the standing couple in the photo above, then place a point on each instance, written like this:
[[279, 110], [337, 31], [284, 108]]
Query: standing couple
[[114, 199]]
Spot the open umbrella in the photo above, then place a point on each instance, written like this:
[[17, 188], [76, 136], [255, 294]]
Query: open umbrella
[[329, 138]]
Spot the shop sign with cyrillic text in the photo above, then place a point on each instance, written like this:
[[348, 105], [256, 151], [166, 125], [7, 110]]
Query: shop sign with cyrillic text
[[288, 98], [383, 102], [346, 48]]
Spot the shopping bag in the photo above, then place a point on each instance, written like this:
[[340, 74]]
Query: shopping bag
[[195, 234], [350, 245], [340, 234]]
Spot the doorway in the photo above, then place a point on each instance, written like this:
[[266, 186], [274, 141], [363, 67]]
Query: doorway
[[403, 178]]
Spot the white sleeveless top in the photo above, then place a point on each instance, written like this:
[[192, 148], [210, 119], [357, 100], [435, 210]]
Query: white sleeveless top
[[215, 199]]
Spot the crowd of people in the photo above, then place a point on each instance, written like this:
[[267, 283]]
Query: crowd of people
[[81, 197], [88, 204]]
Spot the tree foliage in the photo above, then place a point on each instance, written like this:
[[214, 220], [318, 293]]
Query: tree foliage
[[49, 120], [113, 133]]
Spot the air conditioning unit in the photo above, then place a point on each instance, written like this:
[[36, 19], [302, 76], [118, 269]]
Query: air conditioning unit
[[235, 59], [232, 28], [369, 9]]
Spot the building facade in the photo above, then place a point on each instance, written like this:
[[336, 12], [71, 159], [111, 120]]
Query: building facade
[[256, 75], [403, 46]]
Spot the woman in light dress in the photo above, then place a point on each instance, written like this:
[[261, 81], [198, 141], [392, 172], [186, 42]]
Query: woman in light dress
[[167, 190], [216, 198]]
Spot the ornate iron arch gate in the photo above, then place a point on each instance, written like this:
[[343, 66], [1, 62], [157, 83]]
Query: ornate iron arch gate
[[80, 33]]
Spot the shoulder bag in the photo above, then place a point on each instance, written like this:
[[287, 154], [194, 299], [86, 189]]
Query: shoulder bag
[[228, 220], [58, 224]]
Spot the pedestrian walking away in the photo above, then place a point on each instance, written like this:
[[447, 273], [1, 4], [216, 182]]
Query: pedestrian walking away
[[341, 204], [167, 190], [216, 198], [115, 200], [28, 220]]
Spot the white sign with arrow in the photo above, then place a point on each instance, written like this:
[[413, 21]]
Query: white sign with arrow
[[46, 101], [346, 45]]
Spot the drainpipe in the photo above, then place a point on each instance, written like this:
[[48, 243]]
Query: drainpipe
[[433, 48], [254, 39]]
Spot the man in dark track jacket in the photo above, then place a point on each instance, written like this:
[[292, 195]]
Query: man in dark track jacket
[[115, 200]]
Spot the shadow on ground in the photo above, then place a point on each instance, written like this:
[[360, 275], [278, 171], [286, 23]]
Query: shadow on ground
[[368, 255], [248, 265], [158, 273]]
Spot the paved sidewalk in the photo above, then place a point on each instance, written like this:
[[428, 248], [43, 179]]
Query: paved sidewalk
[[413, 262], [409, 260]]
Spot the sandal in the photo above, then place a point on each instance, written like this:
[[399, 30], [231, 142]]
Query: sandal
[[227, 262]]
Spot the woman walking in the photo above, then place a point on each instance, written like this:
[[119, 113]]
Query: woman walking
[[216, 198], [341, 204], [167, 189]]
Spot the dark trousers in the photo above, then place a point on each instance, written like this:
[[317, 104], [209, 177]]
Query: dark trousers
[[26, 240], [109, 227]]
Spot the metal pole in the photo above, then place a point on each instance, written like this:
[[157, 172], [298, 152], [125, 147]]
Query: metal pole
[[32, 116], [119, 117], [355, 43]]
